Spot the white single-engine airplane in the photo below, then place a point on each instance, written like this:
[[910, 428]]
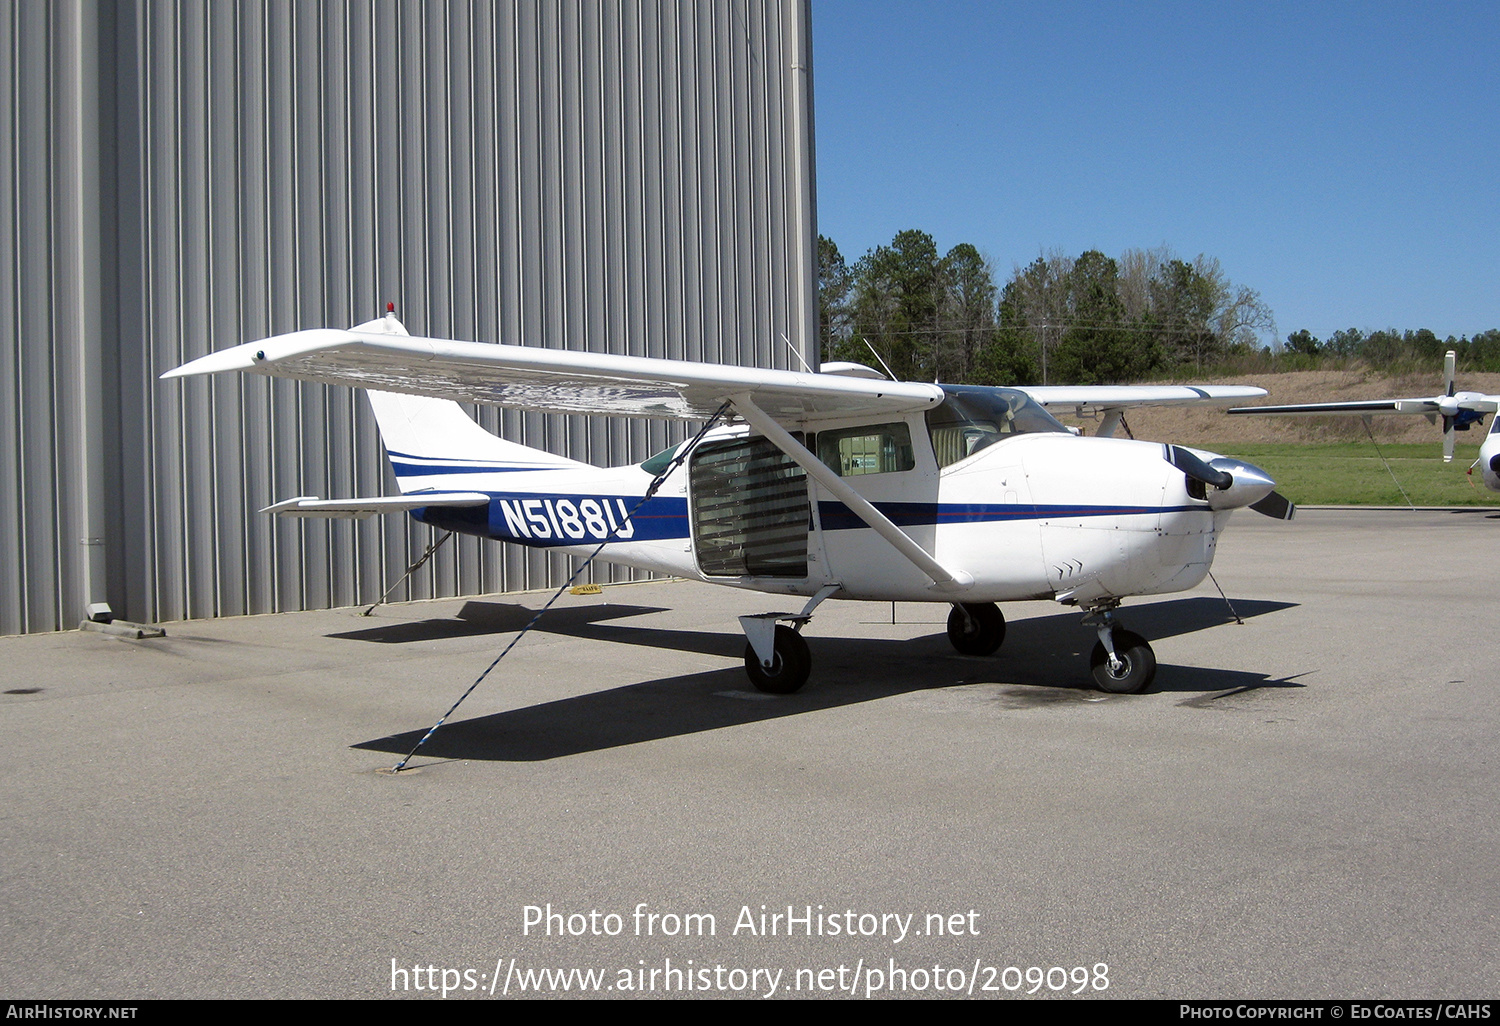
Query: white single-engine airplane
[[838, 484], [1460, 412]]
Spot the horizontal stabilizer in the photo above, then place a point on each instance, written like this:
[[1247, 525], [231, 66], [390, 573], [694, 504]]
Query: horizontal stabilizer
[[358, 509]]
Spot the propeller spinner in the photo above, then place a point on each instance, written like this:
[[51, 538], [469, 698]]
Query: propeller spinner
[[1228, 483]]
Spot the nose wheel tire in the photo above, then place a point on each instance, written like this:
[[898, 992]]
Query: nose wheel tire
[[789, 666], [1138, 669], [980, 632]]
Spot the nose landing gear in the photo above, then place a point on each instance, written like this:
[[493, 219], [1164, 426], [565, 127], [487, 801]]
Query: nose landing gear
[[1122, 661]]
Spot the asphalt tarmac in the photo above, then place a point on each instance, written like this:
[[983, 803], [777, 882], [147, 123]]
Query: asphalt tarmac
[[1305, 805]]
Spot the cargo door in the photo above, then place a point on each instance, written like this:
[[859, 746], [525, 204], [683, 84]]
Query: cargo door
[[750, 512]]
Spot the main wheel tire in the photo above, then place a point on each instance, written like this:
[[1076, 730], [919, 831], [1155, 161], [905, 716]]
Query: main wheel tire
[[979, 633], [789, 666], [1137, 673]]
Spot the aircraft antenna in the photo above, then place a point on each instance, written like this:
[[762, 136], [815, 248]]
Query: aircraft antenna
[[882, 362], [682, 454], [795, 353]]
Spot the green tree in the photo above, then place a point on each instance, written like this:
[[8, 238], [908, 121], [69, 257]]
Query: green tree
[[1424, 346], [1484, 350], [1304, 342], [1382, 348], [1085, 319], [1012, 356], [1183, 302], [896, 300], [1041, 301], [1098, 345], [1345, 343], [966, 312], [835, 284]]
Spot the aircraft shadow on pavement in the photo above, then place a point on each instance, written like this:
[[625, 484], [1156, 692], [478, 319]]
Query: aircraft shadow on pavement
[[477, 618], [1044, 662]]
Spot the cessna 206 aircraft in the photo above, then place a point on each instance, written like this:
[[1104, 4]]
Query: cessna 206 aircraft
[[839, 484], [1460, 412]]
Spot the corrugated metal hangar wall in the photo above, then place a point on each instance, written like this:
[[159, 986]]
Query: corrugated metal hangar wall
[[627, 176]]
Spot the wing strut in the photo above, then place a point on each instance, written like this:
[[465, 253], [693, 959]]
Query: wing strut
[[943, 578]]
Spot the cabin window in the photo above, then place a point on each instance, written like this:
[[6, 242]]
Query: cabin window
[[974, 417], [872, 449], [661, 461]]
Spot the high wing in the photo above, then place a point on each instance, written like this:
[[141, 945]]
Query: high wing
[[1112, 400], [556, 381]]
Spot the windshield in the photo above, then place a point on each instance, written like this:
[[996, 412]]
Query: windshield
[[975, 416]]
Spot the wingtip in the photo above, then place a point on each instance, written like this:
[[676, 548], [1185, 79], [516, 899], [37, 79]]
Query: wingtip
[[239, 358], [259, 356]]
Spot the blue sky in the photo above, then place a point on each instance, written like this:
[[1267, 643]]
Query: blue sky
[[1343, 159]]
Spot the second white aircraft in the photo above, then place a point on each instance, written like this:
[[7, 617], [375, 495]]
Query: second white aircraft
[[1460, 411]]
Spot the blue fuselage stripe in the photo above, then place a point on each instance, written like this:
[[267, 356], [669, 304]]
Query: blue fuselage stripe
[[838, 517], [548, 519]]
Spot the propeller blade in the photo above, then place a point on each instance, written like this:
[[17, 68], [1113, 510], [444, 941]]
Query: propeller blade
[[1449, 429], [1276, 506], [1450, 363], [1196, 469]]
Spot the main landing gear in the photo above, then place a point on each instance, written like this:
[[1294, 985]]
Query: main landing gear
[[791, 662], [976, 628], [776, 657], [1122, 661]]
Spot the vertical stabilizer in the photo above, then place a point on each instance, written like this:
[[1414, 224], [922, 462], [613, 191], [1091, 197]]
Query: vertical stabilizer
[[429, 441]]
